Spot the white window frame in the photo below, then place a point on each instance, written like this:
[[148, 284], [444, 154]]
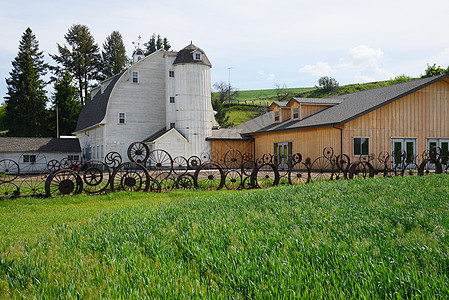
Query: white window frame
[[73, 157], [293, 113], [137, 77], [124, 118], [361, 147], [197, 56], [278, 113], [28, 158]]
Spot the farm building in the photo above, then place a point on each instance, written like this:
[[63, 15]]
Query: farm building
[[410, 117], [163, 99], [32, 154]]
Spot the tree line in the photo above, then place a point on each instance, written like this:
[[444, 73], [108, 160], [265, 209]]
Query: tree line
[[79, 64]]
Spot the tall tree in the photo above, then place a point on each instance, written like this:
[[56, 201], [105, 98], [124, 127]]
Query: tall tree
[[226, 92], [155, 43], [434, 70], [113, 55], [25, 101], [82, 60], [66, 103], [327, 84]]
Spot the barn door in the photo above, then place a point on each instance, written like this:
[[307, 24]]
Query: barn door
[[401, 146], [442, 144]]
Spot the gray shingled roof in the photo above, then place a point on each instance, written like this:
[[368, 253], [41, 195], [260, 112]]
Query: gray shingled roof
[[33, 144], [353, 106], [239, 133], [185, 56], [94, 110]]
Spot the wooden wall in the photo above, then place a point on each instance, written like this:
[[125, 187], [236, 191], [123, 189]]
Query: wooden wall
[[307, 110], [220, 148]]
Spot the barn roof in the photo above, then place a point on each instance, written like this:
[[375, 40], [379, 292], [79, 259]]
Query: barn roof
[[353, 106], [94, 110], [185, 56], [34, 144]]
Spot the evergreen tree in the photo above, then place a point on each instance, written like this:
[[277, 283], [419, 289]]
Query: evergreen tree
[[220, 115], [155, 43], [25, 101], [66, 102], [83, 60], [113, 55]]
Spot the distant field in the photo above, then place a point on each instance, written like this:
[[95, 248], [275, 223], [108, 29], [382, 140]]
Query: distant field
[[267, 94], [242, 113], [376, 238]]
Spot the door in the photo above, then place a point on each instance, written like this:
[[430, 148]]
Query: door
[[440, 148], [403, 151], [282, 153]]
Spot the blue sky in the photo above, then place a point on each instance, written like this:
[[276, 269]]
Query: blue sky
[[266, 42]]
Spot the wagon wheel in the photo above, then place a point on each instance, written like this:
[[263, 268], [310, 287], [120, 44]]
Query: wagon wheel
[[33, 184], [343, 162], [9, 170], [63, 183], [267, 158], [264, 176], [39, 165], [233, 159], [194, 162], [65, 163], [383, 157], [53, 165], [248, 167], [259, 161], [328, 152], [96, 177], [283, 170], [154, 186], [411, 169], [430, 166], [205, 157], [130, 176], [180, 165], [185, 182], [214, 157], [321, 169], [361, 169], [160, 164], [8, 190], [246, 183], [379, 167], [113, 159], [233, 180], [435, 153], [297, 157], [247, 156], [209, 176], [168, 184], [76, 165], [299, 173], [138, 152]]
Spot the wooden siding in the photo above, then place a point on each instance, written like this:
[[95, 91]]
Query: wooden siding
[[308, 110], [286, 114], [219, 148]]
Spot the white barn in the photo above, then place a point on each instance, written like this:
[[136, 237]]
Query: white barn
[[163, 99]]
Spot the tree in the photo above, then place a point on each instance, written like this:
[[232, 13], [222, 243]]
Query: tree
[[434, 70], [226, 93], [66, 102], [26, 99], [155, 43], [282, 92], [83, 60], [327, 84], [113, 55], [220, 115]]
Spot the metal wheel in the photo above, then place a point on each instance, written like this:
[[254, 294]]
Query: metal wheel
[[321, 169], [233, 159], [138, 152], [246, 183], [430, 166], [283, 170], [194, 162], [35, 163], [361, 169], [247, 156], [209, 176], [96, 176], [343, 162], [180, 165], [76, 165], [297, 157], [8, 190], [264, 176], [53, 165], [233, 180], [168, 184], [65, 163], [63, 183], [205, 157], [32, 184], [160, 164], [383, 157], [299, 173], [410, 169], [248, 167], [185, 182], [214, 157], [9, 170], [113, 159], [328, 152], [130, 176], [154, 186], [267, 158]]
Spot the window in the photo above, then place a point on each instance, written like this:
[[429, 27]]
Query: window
[[361, 146], [73, 157], [135, 77], [122, 118], [29, 158], [172, 99], [172, 125], [295, 112], [197, 56], [171, 73], [282, 154], [276, 116]]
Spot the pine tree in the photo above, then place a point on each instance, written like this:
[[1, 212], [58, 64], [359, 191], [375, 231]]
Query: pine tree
[[25, 101], [65, 101], [155, 43], [113, 55], [83, 60]]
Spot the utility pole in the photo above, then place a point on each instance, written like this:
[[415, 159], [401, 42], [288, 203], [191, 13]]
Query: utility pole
[[229, 87], [57, 121]]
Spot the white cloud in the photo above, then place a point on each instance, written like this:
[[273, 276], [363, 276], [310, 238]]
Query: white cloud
[[365, 55], [267, 76], [319, 69]]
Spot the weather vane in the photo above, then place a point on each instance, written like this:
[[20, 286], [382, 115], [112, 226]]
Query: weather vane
[[139, 39]]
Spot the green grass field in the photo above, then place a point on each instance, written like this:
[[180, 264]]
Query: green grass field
[[375, 238]]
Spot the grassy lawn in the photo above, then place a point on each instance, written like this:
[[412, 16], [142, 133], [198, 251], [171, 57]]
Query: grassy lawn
[[376, 238], [239, 114], [267, 94]]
